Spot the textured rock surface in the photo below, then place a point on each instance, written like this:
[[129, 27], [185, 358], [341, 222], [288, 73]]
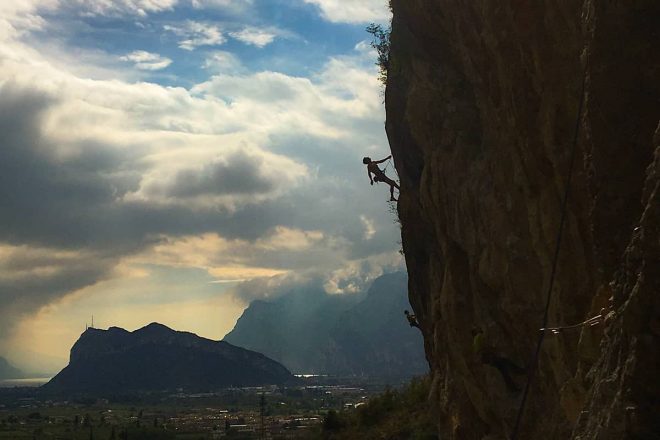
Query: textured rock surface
[[482, 101]]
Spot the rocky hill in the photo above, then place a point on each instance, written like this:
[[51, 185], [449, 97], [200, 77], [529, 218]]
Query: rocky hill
[[316, 333], [482, 103], [156, 357]]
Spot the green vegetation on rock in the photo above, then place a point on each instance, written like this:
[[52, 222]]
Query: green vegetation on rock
[[392, 415], [381, 42]]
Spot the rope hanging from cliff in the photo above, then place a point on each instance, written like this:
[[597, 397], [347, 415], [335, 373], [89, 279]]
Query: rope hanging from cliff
[[595, 320], [534, 364], [387, 165]]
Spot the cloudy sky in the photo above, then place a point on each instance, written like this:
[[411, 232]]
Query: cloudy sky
[[170, 160]]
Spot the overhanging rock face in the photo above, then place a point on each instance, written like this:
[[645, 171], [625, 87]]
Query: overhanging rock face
[[482, 100]]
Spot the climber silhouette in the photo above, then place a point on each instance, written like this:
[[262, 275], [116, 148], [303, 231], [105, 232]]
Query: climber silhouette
[[379, 175], [488, 356], [412, 319]]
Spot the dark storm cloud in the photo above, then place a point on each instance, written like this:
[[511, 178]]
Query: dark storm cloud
[[43, 204], [239, 173], [129, 226], [43, 198], [32, 278]]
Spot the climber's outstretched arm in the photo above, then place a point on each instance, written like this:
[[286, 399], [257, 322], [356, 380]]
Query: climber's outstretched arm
[[383, 160]]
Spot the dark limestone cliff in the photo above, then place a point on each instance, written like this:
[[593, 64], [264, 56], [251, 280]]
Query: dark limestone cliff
[[482, 100]]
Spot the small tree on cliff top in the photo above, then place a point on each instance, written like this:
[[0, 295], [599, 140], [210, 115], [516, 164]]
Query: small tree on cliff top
[[381, 42]]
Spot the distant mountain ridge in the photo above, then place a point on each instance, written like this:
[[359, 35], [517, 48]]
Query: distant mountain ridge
[[8, 371], [318, 333], [156, 357]]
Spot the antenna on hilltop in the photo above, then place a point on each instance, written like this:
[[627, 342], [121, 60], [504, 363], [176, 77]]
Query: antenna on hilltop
[[92, 321]]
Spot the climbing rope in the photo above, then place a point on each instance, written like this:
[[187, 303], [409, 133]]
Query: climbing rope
[[534, 364], [387, 165], [390, 162], [595, 320]]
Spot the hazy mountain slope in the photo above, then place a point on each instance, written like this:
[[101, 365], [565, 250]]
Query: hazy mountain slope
[[7, 371], [374, 337], [312, 332], [156, 357], [292, 329]]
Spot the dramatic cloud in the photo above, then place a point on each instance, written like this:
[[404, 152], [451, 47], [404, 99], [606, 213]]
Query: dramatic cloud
[[280, 251], [31, 277], [328, 107], [272, 287], [221, 179], [104, 186], [194, 34], [146, 60], [353, 11], [347, 279], [238, 174], [38, 181]]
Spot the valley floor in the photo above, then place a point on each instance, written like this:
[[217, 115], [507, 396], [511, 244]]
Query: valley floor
[[303, 412]]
